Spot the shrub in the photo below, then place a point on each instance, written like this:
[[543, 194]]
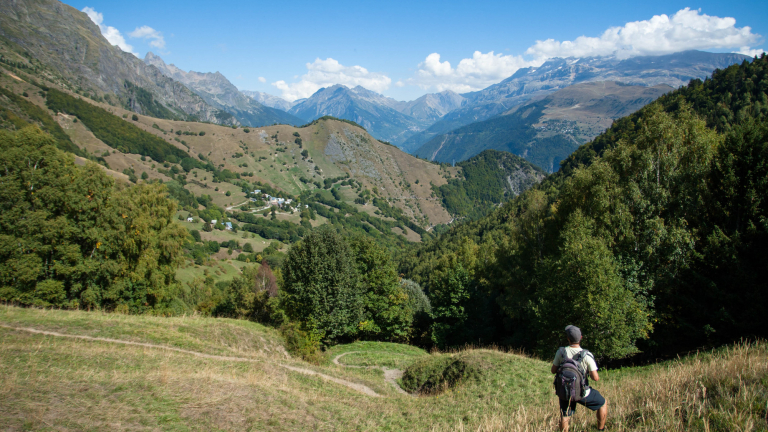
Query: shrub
[[300, 343], [135, 117], [438, 372], [201, 133], [246, 130]]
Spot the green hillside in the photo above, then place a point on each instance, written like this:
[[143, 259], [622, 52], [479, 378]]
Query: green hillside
[[655, 231], [486, 181]]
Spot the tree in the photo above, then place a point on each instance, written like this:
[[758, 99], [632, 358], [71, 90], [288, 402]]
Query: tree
[[247, 247], [196, 235], [304, 154], [320, 285], [144, 175], [265, 280], [135, 117], [72, 240], [387, 308]]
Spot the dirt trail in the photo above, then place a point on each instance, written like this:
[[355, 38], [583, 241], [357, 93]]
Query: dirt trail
[[354, 386], [390, 375]]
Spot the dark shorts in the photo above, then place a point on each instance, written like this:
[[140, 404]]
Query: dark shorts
[[594, 401]]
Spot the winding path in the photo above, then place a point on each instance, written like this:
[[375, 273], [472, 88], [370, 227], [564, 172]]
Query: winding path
[[390, 375], [354, 386]]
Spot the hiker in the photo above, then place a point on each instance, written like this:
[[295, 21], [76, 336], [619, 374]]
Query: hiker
[[573, 367]]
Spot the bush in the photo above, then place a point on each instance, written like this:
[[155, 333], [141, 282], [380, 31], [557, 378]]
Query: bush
[[438, 372], [300, 343], [201, 133], [135, 117], [246, 130]]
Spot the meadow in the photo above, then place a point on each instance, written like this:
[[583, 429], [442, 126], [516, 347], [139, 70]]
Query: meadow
[[193, 373]]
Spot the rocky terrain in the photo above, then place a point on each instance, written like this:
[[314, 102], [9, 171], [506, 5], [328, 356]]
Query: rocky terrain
[[71, 49]]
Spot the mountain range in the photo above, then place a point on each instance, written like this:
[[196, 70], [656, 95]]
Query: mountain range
[[547, 129], [217, 91], [673, 70], [71, 51]]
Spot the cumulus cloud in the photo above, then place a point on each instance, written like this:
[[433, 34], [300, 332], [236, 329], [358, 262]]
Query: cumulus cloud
[[471, 74], [147, 32], [111, 34], [262, 79], [751, 52], [686, 30], [328, 72]]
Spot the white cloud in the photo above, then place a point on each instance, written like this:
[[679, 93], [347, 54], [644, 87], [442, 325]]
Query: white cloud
[[751, 52], [147, 32], [470, 74], [262, 79], [328, 72], [686, 30], [111, 34], [399, 84]]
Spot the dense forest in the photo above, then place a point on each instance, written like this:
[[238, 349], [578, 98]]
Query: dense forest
[[651, 238]]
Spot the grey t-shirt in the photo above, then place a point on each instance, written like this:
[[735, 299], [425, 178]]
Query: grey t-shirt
[[587, 362]]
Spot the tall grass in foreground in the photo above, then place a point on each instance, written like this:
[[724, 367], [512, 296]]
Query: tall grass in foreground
[[726, 390]]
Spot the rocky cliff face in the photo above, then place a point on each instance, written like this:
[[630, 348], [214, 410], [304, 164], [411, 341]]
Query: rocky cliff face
[[219, 92], [71, 45]]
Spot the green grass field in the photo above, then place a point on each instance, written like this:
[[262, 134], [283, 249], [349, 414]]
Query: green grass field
[[59, 383]]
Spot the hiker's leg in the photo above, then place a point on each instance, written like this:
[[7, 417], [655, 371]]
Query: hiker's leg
[[567, 408], [596, 402], [602, 415]]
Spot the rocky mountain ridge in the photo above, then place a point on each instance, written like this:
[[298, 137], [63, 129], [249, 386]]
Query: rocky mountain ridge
[[548, 128], [218, 91], [269, 100], [673, 70], [76, 54]]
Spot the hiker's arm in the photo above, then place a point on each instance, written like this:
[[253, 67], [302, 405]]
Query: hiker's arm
[[554, 369], [594, 376]]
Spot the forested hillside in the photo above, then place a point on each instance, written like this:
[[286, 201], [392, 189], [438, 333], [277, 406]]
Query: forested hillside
[[487, 180], [651, 238]]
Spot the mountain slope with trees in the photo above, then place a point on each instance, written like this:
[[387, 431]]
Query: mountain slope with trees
[[650, 237]]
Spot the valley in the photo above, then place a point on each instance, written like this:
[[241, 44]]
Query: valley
[[381, 247]]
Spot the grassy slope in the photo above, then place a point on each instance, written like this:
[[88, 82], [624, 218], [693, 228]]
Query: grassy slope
[[53, 383], [385, 166]]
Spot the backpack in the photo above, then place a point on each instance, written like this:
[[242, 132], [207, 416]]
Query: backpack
[[571, 380]]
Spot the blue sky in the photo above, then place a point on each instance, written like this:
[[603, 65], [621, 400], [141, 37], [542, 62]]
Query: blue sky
[[400, 48]]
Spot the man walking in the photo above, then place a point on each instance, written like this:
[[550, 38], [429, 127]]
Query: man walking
[[591, 398]]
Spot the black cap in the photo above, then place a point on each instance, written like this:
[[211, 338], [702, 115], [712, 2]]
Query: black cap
[[573, 334]]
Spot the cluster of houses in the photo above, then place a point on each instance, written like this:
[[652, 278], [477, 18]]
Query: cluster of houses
[[227, 225], [271, 200]]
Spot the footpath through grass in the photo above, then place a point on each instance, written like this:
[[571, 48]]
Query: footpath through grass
[[53, 383]]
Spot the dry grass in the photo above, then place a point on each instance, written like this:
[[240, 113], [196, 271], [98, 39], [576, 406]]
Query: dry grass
[[54, 383], [726, 390]]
